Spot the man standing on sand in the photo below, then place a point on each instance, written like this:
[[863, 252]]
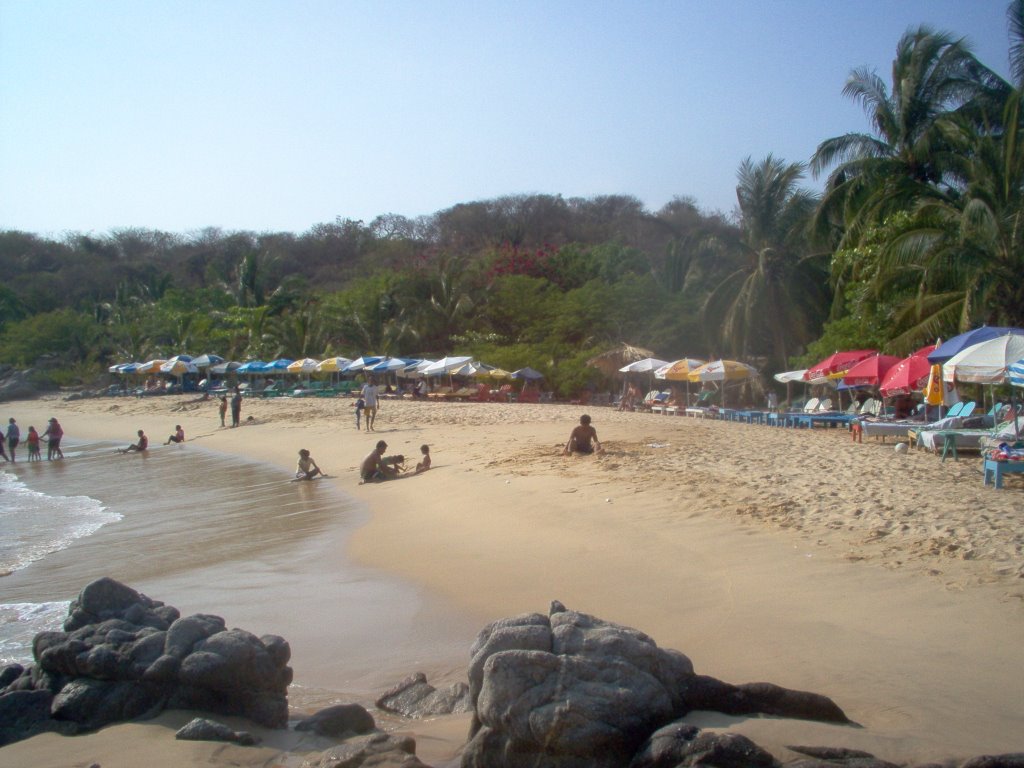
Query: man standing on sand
[[370, 394], [236, 407], [583, 438], [373, 468]]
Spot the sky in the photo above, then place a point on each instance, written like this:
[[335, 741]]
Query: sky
[[277, 115]]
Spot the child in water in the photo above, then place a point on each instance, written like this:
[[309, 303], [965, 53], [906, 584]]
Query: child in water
[[33, 445]]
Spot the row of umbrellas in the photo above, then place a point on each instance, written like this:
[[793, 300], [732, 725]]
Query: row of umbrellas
[[690, 369], [406, 367]]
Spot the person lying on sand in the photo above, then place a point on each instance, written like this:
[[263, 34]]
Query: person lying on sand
[[140, 446], [306, 468], [374, 468], [583, 438]]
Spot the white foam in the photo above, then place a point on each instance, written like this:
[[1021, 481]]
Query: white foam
[[21, 622]]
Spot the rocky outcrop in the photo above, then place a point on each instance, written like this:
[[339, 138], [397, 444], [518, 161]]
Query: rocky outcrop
[[202, 729], [123, 656], [570, 690], [379, 750], [415, 697], [18, 385], [339, 721]]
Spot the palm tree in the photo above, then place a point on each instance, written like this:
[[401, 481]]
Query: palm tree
[[907, 156], [771, 302], [969, 247]]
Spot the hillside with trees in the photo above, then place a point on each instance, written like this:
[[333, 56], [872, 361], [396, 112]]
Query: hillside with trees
[[918, 234]]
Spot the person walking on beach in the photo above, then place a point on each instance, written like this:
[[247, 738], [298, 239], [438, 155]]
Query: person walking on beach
[[306, 468], [583, 438], [13, 437], [222, 407], [370, 393], [33, 444], [236, 407], [53, 434], [178, 436], [138, 447], [373, 468]]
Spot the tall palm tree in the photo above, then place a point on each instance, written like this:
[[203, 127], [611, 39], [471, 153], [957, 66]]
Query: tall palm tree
[[907, 155], [770, 304], [969, 248]]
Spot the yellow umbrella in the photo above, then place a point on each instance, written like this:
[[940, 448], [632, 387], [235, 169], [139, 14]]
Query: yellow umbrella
[[306, 365], [152, 366], [333, 364], [933, 394], [496, 373], [678, 370], [723, 370]]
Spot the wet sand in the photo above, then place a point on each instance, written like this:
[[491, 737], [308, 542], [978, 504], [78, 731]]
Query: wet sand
[[891, 583]]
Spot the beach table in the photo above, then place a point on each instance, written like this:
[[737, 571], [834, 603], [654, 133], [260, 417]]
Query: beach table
[[996, 469]]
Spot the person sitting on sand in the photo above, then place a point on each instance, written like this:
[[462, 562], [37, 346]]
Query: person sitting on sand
[[306, 468], [424, 465], [583, 438], [140, 446], [374, 468], [178, 436]]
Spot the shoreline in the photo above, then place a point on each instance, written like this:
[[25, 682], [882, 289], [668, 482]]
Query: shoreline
[[886, 582]]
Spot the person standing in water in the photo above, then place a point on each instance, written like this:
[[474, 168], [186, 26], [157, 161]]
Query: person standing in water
[[13, 437]]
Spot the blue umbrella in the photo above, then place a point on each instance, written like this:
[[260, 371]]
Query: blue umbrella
[[205, 361], [277, 366], [366, 361], [1016, 373], [957, 344], [252, 366], [527, 373]]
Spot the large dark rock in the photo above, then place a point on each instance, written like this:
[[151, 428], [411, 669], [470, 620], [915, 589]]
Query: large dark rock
[[123, 656], [570, 690], [415, 697], [380, 750], [202, 729], [338, 721]]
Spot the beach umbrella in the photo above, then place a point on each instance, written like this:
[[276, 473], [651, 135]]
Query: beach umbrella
[[1016, 373], [834, 363], [908, 375], [723, 370], [250, 367], [527, 373], [786, 377], [415, 369], [498, 373], [151, 366], [646, 365], [332, 364], [611, 361], [869, 371], [958, 344], [362, 362], [280, 365], [389, 365], [305, 365], [178, 367], [206, 361], [220, 369], [678, 370], [985, 363], [446, 365]]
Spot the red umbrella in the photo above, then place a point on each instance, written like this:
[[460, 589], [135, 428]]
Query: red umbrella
[[870, 370], [840, 361], [908, 375]]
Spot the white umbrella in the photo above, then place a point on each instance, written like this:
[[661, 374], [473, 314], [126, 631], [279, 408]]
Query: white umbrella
[[787, 376], [178, 367], [446, 365], [647, 365], [985, 363], [305, 365]]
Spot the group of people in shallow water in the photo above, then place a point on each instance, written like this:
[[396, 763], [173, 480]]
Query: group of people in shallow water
[[11, 439]]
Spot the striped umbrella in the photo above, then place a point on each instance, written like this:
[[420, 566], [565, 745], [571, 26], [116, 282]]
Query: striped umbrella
[[1016, 373]]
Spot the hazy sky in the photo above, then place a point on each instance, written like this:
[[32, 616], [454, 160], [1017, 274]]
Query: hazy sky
[[274, 115]]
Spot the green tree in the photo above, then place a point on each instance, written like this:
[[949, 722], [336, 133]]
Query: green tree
[[772, 302]]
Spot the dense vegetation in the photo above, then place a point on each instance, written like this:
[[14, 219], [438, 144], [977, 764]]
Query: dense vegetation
[[918, 233]]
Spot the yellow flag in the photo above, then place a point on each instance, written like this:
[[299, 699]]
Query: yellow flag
[[933, 390]]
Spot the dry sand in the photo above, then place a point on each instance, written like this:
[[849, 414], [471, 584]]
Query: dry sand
[[892, 583]]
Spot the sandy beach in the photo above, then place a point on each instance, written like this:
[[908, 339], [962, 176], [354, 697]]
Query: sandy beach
[[892, 583]]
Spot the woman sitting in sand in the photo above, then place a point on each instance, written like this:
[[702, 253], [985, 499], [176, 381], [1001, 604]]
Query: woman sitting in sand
[[306, 468], [178, 436]]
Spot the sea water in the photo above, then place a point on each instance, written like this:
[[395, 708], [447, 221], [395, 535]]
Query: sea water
[[210, 533]]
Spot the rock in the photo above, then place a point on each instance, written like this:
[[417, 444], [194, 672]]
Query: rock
[[24, 714], [380, 750], [681, 746], [415, 697], [703, 692], [338, 721], [124, 656], [201, 729], [1010, 760], [17, 385], [831, 753]]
